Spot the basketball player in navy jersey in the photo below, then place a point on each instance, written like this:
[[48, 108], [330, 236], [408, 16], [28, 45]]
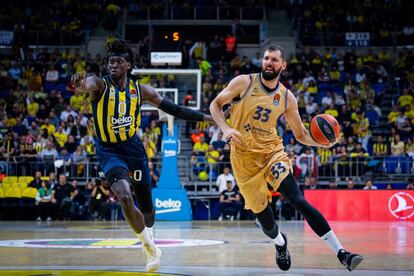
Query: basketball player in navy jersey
[[258, 157], [116, 104]]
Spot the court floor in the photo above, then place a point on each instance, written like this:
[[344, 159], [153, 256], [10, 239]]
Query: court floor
[[199, 248]]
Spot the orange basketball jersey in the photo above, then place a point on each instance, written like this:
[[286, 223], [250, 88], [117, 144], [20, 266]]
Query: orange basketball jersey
[[255, 115]]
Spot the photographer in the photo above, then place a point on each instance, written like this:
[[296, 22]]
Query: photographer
[[99, 197]]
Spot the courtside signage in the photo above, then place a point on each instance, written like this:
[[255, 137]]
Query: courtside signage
[[365, 205], [161, 58]]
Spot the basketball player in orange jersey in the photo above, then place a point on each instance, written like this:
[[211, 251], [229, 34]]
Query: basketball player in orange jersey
[[257, 152], [116, 104]]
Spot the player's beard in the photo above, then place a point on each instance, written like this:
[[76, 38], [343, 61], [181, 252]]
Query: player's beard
[[271, 76]]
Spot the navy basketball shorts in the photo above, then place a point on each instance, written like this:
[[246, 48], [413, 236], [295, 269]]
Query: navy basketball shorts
[[129, 155]]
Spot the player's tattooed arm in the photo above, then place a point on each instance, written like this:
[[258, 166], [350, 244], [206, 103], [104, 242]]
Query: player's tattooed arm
[[150, 95]]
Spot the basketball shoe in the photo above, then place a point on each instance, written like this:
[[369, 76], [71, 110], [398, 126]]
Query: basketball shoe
[[349, 260], [153, 255], [283, 255]]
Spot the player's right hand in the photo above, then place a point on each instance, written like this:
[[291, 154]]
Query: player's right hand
[[232, 136], [78, 80]]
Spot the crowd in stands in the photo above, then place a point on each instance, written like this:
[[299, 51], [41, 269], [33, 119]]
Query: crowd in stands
[[59, 199], [44, 120], [331, 19]]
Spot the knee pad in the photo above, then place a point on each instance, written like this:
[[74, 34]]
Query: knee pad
[[116, 174]]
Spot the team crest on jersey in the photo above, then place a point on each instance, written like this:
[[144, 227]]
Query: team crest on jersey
[[276, 99], [112, 94], [132, 90]]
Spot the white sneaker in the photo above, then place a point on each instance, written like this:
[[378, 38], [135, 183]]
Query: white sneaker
[[220, 218], [153, 255], [49, 219], [38, 219]]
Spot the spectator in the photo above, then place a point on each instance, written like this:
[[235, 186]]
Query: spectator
[[350, 184], [397, 146], [223, 178], [65, 160], [52, 76], [62, 199], [68, 112], [380, 148], [48, 156], [70, 144], [61, 137], [369, 185], [406, 99], [393, 115], [52, 180], [32, 107], [305, 163], [37, 181], [201, 147], [410, 184], [361, 129], [98, 205], [328, 99], [148, 149], [204, 66], [79, 160], [230, 46], [332, 185], [293, 146], [324, 161], [43, 201], [76, 101], [230, 203], [332, 110], [199, 50], [219, 143], [257, 62], [79, 201], [212, 156], [311, 183]]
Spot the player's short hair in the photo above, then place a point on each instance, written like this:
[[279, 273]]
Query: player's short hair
[[276, 47], [120, 47]]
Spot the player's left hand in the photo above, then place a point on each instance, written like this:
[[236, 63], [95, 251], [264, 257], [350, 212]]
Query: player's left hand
[[330, 145]]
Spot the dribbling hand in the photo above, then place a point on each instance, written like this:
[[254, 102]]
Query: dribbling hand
[[233, 136], [330, 145]]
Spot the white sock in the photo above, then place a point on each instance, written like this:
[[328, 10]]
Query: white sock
[[150, 231], [332, 241], [145, 237], [279, 240]]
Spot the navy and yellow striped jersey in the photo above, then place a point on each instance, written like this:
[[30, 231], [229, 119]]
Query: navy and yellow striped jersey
[[117, 115]]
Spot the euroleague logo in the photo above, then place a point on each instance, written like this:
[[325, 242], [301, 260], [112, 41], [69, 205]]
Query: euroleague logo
[[401, 205]]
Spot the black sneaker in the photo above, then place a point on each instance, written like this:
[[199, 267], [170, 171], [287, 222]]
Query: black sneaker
[[349, 260], [283, 256]]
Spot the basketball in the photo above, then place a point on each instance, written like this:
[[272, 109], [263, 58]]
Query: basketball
[[324, 129]]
